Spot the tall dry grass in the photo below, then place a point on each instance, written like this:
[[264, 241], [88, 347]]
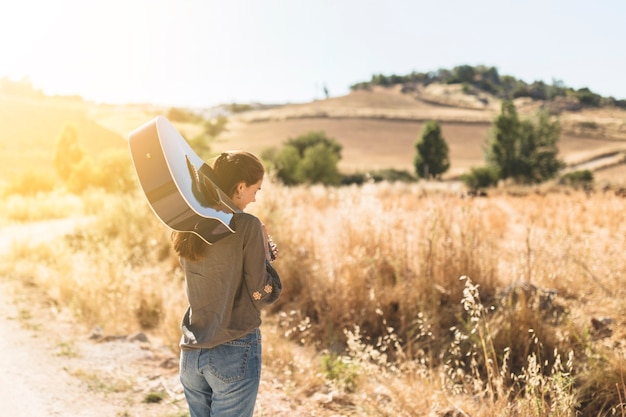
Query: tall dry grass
[[398, 299], [106, 265]]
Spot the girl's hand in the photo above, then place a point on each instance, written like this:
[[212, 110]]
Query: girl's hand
[[271, 250]]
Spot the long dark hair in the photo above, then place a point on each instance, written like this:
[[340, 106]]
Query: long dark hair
[[231, 168]]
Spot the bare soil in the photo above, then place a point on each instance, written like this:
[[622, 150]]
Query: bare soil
[[370, 144]]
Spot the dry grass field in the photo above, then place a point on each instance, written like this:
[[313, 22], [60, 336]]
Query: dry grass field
[[399, 299]]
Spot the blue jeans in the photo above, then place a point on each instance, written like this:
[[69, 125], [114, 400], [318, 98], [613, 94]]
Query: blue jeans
[[223, 381]]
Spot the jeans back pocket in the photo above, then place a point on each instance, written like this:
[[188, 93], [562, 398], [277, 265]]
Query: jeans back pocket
[[229, 361]]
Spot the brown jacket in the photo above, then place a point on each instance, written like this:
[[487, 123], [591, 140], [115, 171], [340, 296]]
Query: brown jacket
[[228, 287]]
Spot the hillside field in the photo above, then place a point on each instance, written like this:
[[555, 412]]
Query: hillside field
[[377, 129]]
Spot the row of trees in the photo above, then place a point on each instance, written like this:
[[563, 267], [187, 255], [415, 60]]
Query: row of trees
[[487, 79], [518, 150]]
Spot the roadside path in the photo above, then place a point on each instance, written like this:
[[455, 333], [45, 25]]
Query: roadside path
[[50, 367], [34, 383]]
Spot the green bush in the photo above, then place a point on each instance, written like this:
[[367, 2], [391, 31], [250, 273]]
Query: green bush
[[390, 175], [587, 97], [579, 178], [481, 177], [309, 158], [319, 165], [340, 371], [355, 178], [286, 164]]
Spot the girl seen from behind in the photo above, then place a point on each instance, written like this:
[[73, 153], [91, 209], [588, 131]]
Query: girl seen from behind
[[227, 283]]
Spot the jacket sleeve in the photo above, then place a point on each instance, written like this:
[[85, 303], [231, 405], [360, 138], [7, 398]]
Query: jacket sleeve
[[261, 279]]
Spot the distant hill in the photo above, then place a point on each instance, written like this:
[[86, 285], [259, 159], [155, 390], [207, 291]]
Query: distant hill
[[486, 80], [448, 103]]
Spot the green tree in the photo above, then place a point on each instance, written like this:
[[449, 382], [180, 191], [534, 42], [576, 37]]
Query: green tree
[[312, 157], [68, 153], [307, 140], [464, 74], [588, 97], [432, 152], [504, 133], [319, 165], [481, 177], [523, 150], [286, 164]]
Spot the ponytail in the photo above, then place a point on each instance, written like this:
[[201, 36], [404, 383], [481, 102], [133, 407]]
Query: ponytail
[[188, 245], [231, 168]]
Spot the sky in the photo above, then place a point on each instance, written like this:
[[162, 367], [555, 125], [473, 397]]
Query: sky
[[201, 53]]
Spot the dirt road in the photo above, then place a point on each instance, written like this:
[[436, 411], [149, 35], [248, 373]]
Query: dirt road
[[34, 382], [50, 365]]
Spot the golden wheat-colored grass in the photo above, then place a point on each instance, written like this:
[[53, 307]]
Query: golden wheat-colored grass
[[31, 127], [374, 314]]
